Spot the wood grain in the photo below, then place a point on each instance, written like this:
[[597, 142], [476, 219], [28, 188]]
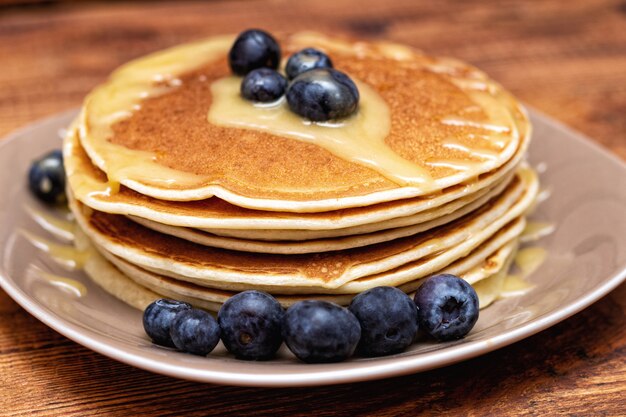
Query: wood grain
[[565, 58]]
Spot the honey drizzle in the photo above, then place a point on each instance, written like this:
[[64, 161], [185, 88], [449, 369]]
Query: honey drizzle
[[122, 94], [514, 286], [482, 153], [536, 230], [64, 228], [65, 255], [83, 186], [359, 138], [528, 260], [59, 227]]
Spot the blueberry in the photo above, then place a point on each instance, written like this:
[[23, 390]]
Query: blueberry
[[305, 60], [251, 324], [158, 317], [323, 94], [388, 319], [195, 331], [253, 49], [319, 331], [46, 178], [447, 305], [263, 85]]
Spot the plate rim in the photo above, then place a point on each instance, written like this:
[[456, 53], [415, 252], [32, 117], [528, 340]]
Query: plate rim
[[376, 368]]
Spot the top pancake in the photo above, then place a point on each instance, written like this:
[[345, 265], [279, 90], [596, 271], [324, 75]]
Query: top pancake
[[89, 185], [446, 117]]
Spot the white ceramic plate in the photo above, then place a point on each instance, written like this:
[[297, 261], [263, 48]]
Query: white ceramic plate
[[586, 260]]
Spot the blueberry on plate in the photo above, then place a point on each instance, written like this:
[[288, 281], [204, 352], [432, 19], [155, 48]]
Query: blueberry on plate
[[158, 317], [251, 323], [306, 60], [388, 319], [46, 178], [323, 94], [195, 331], [263, 85], [447, 305], [320, 331], [253, 49]]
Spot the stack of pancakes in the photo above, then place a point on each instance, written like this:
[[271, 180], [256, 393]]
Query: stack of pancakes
[[176, 205]]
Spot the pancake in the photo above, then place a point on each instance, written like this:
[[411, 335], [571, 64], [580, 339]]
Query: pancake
[[181, 188], [295, 235], [89, 185], [118, 284], [447, 124], [478, 269], [328, 244], [404, 276], [221, 268], [212, 299], [110, 279]]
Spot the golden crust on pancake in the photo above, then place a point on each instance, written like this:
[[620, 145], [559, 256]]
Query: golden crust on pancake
[[331, 243], [482, 268], [143, 246], [215, 213], [257, 169]]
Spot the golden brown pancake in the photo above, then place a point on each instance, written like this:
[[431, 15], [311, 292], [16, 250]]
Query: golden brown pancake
[[221, 268], [482, 269], [89, 185], [439, 109], [347, 241], [196, 193]]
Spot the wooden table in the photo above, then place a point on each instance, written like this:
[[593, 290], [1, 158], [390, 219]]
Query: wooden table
[[566, 58]]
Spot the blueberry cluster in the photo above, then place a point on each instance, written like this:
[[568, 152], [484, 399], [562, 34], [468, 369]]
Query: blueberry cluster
[[312, 87], [378, 322]]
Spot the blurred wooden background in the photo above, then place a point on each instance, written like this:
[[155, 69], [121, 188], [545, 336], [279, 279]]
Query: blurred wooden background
[[566, 58]]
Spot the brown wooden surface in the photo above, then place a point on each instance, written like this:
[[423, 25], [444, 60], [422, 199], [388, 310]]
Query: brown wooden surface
[[566, 58]]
